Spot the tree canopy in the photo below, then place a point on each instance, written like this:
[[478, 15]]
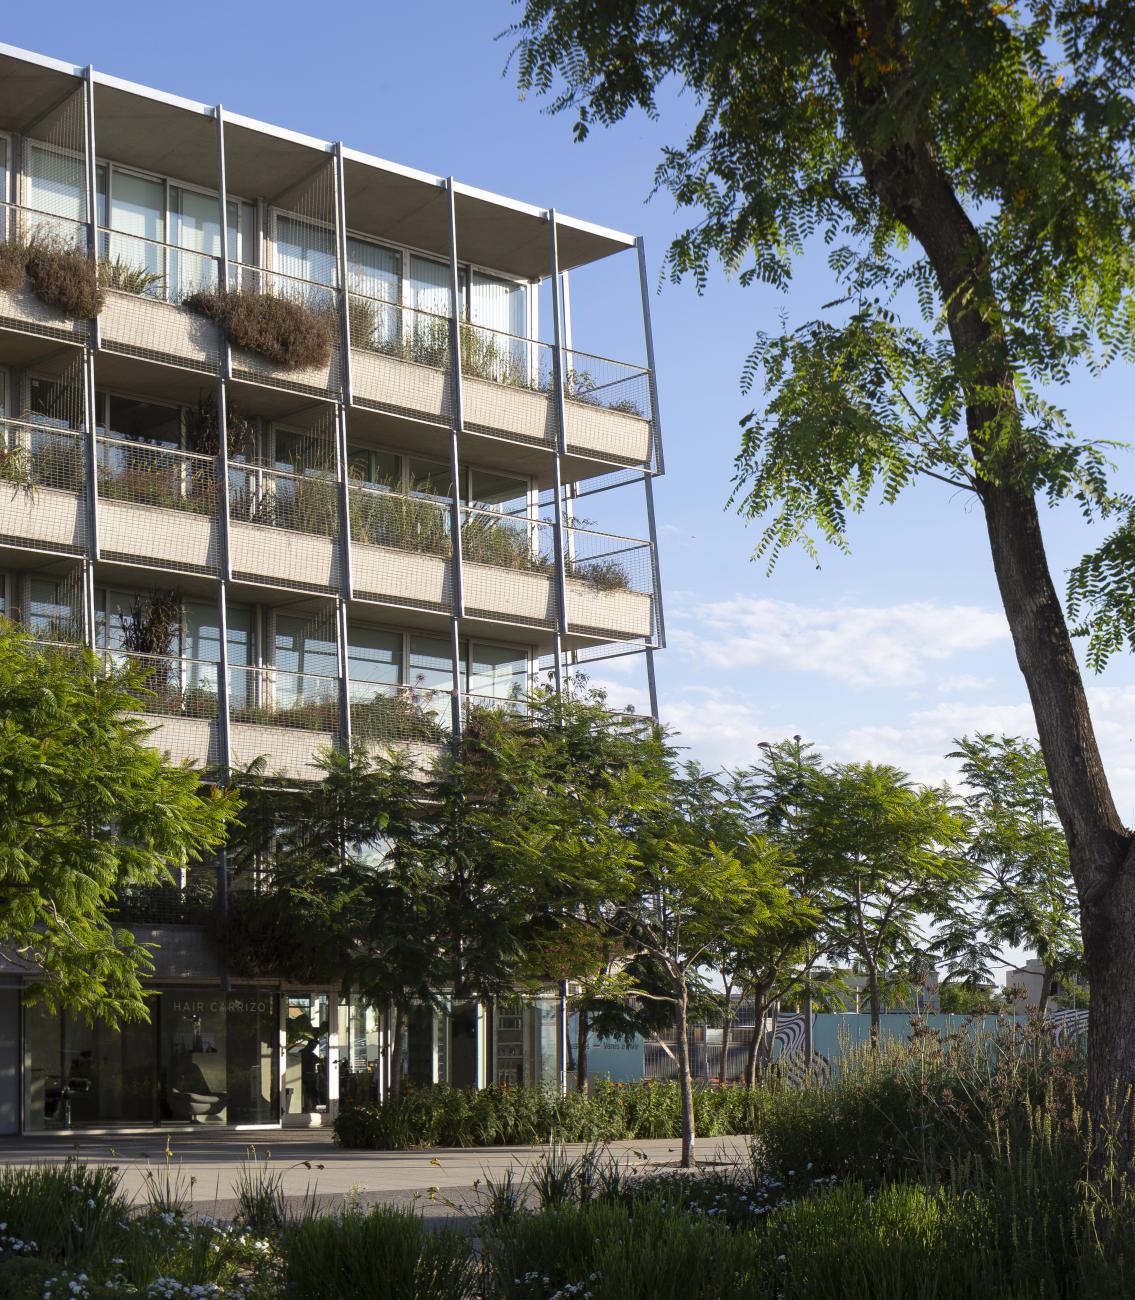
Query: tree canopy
[[87, 810]]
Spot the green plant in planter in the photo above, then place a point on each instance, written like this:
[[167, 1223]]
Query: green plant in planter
[[405, 523], [484, 357], [503, 542], [600, 575], [63, 277], [128, 277], [13, 267], [283, 330], [14, 467]]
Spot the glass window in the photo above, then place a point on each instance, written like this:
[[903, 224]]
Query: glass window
[[373, 270], [4, 191], [376, 469], [491, 491], [55, 182], [429, 285], [374, 657], [430, 478], [304, 453], [500, 672], [305, 250], [307, 1065], [53, 613], [142, 421], [499, 304], [194, 227], [134, 242], [306, 662], [55, 403], [431, 663]]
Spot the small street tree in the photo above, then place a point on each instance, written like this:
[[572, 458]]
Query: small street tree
[[889, 852], [1026, 891], [87, 810]]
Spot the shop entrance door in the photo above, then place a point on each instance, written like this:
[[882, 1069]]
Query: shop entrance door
[[307, 1059]]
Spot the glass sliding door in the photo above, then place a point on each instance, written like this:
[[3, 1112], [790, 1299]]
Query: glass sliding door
[[374, 276], [305, 257], [55, 183], [195, 238], [498, 672], [497, 347], [135, 243]]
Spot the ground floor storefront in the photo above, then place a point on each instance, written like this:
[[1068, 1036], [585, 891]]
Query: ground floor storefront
[[258, 1055]]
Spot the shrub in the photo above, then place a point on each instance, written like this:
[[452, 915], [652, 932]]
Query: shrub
[[13, 267], [127, 277], [386, 1253], [282, 330], [65, 278]]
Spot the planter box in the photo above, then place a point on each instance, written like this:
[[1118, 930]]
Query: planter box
[[290, 752], [50, 518], [321, 379], [518, 413], [145, 326], [184, 740], [401, 386], [168, 539], [406, 578], [623, 615], [610, 435], [292, 559], [22, 310], [513, 595]]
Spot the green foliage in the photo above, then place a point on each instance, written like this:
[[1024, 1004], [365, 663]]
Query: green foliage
[[388, 1254], [128, 277], [64, 277], [75, 764], [1026, 895], [283, 330], [500, 1116]]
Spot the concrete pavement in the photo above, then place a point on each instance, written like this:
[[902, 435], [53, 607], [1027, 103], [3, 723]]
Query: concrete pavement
[[205, 1165]]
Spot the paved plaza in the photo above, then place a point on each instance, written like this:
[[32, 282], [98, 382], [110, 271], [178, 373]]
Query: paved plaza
[[205, 1164]]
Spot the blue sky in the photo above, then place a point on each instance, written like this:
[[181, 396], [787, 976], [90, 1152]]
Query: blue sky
[[887, 654]]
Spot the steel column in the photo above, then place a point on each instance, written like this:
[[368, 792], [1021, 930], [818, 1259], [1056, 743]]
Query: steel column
[[652, 374], [457, 427], [341, 258], [91, 178], [561, 446]]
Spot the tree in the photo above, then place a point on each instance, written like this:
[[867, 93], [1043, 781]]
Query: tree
[[889, 852], [770, 795], [87, 810], [1016, 841], [634, 860], [973, 159]]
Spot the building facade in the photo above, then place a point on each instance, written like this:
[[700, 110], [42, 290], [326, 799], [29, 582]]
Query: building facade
[[328, 463]]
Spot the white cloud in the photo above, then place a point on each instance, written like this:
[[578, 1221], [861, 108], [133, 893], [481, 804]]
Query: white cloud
[[887, 645]]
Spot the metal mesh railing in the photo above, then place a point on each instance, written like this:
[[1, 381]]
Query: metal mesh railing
[[45, 307], [36, 455], [507, 541], [282, 698], [278, 499], [406, 523], [156, 476], [192, 900], [170, 686], [600, 381], [384, 332], [474, 706], [504, 358], [606, 562], [133, 264], [384, 712], [312, 294]]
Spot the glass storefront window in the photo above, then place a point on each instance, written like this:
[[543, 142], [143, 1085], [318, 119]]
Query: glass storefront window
[[203, 1057]]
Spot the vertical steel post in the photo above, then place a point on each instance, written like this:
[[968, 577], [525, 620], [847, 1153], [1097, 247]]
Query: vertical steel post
[[648, 479], [224, 728], [87, 578], [652, 374], [91, 179], [561, 448], [457, 427], [341, 258]]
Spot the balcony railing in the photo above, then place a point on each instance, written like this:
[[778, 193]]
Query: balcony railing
[[36, 455], [154, 269], [156, 476], [302, 503], [403, 522], [392, 713]]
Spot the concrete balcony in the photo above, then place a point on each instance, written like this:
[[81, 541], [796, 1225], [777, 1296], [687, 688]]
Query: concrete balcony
[[154, 329]]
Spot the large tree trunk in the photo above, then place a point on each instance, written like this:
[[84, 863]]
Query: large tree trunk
[[873, 996], [581, 1051], [760, 1008], [908, 177], [685, 1081]]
